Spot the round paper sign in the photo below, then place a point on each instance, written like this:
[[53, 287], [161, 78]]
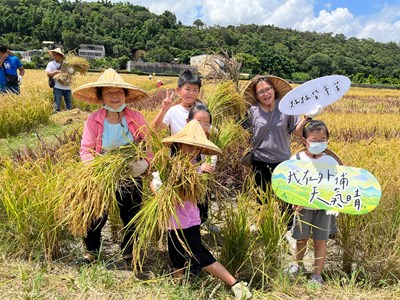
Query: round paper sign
[[320, 91]]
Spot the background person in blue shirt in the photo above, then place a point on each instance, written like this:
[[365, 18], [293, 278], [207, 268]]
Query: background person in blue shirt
[[9, 64]]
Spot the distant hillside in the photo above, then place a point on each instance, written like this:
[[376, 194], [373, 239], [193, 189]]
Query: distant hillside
[[125, 28]]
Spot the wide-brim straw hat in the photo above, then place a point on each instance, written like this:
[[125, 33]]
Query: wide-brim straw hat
[[281, 86], [57, 50], [110, 78], [193, 134]]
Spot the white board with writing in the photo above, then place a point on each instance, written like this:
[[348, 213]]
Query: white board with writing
[[308, 96]]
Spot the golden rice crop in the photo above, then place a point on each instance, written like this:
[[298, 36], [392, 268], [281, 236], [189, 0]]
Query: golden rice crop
[[228, 134], [20, 113], [355, 126], [28, 195], [89, 198]]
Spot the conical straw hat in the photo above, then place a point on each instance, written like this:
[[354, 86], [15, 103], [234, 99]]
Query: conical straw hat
[[193, 134], [281, 86], [110, 78], [57, 50]]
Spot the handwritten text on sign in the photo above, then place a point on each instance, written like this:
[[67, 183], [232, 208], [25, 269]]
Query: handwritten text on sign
[[316, 93], [339, 183]]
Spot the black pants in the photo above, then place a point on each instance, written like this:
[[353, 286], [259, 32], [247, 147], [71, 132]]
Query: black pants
[[193, 255], [129, 200], [263, 175]]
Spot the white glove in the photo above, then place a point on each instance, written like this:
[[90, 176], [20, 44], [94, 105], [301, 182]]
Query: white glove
[[138, 167], [332, 213], [214, 159], [157, 180], [70, 70], [316, 112], [19, 79]]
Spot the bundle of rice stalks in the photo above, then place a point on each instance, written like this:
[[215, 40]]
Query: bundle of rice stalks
[[72, 64], [230, 133], [64, 78], [79, 64], [225, 102], [89, 188], [181, 182]]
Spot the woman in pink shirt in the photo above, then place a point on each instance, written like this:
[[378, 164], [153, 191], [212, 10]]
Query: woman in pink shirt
[[112, 126]]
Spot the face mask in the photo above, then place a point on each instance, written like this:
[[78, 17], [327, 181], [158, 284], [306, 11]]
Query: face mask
[[317, 148], [119, 109]]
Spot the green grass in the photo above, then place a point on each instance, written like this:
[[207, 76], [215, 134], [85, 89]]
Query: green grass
[[32, 138]]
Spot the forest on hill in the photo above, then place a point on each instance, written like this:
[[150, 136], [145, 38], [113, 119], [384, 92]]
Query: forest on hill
[[127, 30]]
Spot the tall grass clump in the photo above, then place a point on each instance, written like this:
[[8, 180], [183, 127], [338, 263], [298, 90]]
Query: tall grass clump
[[21, 113], [272, 224], [238, 243], [28, 195]]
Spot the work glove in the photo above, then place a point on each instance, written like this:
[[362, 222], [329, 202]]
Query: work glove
[[156, 180], [315, 112], [214, 159], [19, 79], [138, 167], [332, 213]]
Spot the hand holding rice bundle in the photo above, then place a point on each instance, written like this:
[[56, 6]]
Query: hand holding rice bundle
[[72, 65], [89, 198]]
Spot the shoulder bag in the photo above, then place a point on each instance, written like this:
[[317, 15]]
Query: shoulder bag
[[247, 159], [52, 81]]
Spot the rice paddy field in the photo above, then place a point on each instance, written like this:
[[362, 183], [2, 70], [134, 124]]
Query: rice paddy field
[[39, 168]]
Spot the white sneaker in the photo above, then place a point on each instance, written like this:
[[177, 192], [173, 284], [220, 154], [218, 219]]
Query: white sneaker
[[316, 279], [241, 291], [294, 270]]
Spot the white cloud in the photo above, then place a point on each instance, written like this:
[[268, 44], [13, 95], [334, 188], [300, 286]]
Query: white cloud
[[384, 26], [338, 21]]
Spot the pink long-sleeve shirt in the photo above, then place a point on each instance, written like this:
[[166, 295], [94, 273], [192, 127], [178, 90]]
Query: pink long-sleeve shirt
[[94, 128]]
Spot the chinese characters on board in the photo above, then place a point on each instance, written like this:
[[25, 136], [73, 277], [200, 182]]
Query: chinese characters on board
[[339, 183], [325, 90]]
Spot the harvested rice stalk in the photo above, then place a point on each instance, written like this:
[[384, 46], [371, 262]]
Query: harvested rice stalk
[[225, 102], [79, 64], [89, 188], [64, 78], [228, 134], [72, 64]]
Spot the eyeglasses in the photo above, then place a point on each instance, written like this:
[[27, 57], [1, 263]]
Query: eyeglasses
[[264, 91], [205, 125]]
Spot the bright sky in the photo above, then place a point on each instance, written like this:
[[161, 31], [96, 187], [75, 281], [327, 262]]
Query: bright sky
[[376, 19]]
